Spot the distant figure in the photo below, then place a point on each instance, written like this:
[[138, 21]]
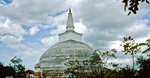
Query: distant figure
[[70, 75]]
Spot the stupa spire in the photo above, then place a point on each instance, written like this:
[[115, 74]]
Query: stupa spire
[[70, 23]]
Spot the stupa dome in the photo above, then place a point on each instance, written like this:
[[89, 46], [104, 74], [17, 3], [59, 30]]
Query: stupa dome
[[70, 50]]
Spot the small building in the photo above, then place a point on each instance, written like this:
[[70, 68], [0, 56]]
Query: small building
[[29, 74]]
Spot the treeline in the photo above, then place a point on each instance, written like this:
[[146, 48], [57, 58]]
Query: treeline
[[15, 69], [99, 67]]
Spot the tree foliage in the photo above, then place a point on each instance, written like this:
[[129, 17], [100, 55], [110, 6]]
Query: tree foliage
[[107, 73], [147, 44], [16, 64], [130, 47], [7, 71], [144, 66], [75, 66], [128, 73], [107, 55], [98, 74], [78, 66], [97, 61], [1, 64], [133, 5]]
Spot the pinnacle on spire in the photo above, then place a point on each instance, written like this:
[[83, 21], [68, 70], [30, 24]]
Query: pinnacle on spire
[[70, 23]]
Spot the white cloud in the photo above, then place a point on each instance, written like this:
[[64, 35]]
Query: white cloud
[[49, 41], [9, 27], [123, 62], [10, 39], [29, 52], [13, 42], [33, 30], [11, 33], [138, 28], [58, 22], [106, 24], [23, 12], [80, 27], [115, 44]]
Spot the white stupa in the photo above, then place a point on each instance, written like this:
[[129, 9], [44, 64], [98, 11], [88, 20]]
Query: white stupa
[[69, 48]]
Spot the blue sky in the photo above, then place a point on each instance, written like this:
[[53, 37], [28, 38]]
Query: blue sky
[[5, 2], [28, 31]]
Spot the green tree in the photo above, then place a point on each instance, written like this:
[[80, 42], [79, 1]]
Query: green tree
[[1, 64], [107, 55], [128, 73], [133, 5], [95, 62], [98, 60], [9, 71], [78, 67], [98, 73], [130, 47], [147, 43], [6, 71], [144, 66], [1, 68], [16, 64]]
